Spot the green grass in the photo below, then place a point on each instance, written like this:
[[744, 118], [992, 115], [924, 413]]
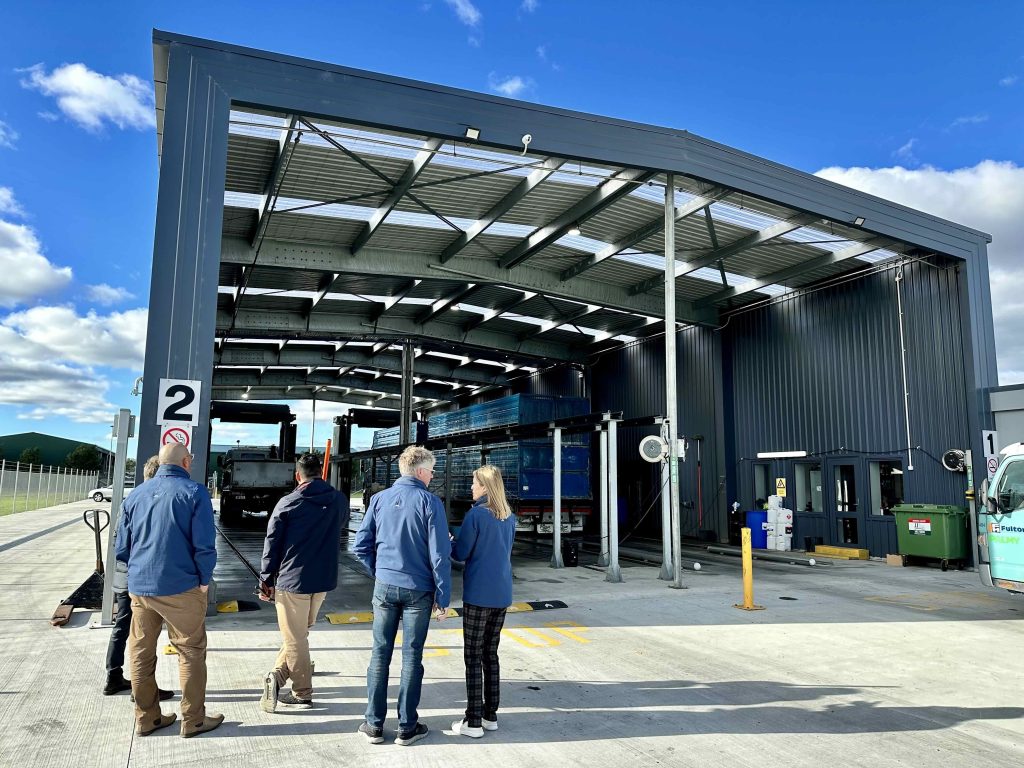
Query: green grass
[[9, 505]]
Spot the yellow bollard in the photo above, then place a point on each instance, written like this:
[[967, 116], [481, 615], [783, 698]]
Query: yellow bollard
[[748, 575]]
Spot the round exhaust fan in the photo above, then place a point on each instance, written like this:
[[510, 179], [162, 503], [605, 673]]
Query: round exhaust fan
[[954, 460], [653, 449]]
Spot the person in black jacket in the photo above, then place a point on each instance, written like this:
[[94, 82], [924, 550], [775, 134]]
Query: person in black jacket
[[300, 566]]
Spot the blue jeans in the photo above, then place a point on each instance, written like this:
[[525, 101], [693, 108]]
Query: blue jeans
[[413, 607]]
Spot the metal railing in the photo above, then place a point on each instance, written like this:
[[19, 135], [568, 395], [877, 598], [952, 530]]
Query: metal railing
[[25, 487]]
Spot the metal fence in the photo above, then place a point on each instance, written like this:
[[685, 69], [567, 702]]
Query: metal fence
[[33, 486]]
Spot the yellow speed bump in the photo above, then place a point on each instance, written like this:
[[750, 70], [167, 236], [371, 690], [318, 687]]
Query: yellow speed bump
[[230, 606], [363, 617], [170, 650]]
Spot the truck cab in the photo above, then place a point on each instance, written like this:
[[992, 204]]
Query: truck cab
[[1001, 526], [254, 480]]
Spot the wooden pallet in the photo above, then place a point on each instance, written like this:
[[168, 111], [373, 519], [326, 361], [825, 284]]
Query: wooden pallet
[[840, 553]]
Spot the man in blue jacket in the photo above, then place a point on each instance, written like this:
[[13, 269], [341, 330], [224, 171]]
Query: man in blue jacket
[[403, 542], [166, 535], [300, 566]]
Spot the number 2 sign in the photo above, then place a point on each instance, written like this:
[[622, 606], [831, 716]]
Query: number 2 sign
[[179, 401]]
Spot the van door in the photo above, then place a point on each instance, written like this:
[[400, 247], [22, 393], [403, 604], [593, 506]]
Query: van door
[[1003, 526]]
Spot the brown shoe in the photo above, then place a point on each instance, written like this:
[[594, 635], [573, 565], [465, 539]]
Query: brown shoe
[[209, 723], [163, 722]]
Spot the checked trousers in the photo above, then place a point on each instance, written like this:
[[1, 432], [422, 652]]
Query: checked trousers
[[482, 632]]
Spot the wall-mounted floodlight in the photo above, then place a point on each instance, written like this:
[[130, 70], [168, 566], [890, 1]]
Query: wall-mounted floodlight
[[574, 230], [859, 221], [782, 455], [472, 133]]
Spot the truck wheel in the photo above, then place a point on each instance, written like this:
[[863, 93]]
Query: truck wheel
[[228, 511], [945, 565]]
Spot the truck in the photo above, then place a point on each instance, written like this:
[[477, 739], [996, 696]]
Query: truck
[[1001, 525], [254, 478]]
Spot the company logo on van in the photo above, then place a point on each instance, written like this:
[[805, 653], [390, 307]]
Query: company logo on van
[[1003, 528]]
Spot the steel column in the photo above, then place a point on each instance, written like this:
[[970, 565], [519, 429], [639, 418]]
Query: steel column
[[186, 249], [613, 575], [602, 558], [666, 526], [122, 424], [671, 399], [405, 422], [556, 513]]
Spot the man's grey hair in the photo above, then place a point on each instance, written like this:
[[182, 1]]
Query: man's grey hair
[[414, 457]]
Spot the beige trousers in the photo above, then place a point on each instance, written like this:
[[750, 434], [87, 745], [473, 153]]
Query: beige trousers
[[296, 613], [185, 616]]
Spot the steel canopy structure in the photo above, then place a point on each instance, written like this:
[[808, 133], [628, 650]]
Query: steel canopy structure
[[314, 219]]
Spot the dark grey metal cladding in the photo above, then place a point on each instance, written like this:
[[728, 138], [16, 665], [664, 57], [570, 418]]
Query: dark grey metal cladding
[[632, 380], [821, 373], [186, 251]]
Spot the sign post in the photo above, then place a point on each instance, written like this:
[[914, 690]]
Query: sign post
[[124, 427]]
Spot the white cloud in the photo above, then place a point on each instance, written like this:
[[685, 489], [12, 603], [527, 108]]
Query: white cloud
[[107, 294], [91, 99], [988, 196], [8, 204], [969, 120], [117, 340], [906, 152], [1009, 80], [529, 6], [512, 86], [20, 255], [474, 41], [542, 52], [7, 135], [468, 13]]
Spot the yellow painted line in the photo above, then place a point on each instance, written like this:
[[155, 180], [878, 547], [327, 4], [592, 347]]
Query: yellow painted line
[[557, 626], [537, 633], [519, 607], [364, 617], [510, 634]]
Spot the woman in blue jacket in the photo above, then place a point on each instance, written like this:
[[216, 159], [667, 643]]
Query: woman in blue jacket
[[485, 546]]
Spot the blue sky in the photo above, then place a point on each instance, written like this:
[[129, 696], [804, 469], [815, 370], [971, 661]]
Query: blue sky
[[913, 101]]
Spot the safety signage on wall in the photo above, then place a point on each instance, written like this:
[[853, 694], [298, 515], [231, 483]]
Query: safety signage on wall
[[179, 401], [176, 432], [780, 486]]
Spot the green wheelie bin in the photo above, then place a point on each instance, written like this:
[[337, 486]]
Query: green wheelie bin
[[933, 531]]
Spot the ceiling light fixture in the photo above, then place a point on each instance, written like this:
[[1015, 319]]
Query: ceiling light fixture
[[574, 230], [472, 133], [859, 221]]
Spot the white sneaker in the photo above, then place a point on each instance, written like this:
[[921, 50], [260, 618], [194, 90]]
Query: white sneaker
[[463, 728], [489, 725]]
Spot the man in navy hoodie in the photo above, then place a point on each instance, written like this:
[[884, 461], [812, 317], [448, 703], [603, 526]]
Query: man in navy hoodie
[[403, 542], [300, 566]]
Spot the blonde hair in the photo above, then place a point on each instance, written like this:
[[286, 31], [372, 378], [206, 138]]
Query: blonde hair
[[150, 467], [489, 476], [414, 457]]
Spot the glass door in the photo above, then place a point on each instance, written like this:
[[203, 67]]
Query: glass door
[[846, 509]]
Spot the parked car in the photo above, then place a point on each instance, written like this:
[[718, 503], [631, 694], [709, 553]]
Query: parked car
[[101, 494]]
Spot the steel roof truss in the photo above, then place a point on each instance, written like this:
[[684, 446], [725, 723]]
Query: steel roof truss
[[285, 147], [748, 241], [648, 229], [618, 186]]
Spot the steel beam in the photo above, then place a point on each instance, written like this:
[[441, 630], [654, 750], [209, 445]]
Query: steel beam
[[285, 148], [384, 384], [780, 276], [415, 168], [618, 186], [256, 323], [638, 235], [550, 325], [441, 306], [426, 366], [391, 301], [390, 402], [503, 206], [408, 264], [748, 241]]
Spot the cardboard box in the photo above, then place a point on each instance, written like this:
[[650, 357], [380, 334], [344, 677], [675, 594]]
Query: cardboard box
[[894, 560]]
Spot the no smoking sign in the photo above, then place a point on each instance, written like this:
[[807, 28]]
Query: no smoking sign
[[176, 433]]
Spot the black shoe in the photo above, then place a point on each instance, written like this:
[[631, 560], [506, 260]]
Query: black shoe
[[374, 735], [116, 684], [417, 733]]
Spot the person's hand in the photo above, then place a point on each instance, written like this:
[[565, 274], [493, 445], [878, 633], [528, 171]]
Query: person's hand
[[204, 588], [266, 593], [440, 613]]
